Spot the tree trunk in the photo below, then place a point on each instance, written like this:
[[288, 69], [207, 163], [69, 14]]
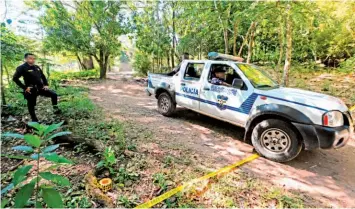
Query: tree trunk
[[288, 46], [245, 39], [82, 66], [168, 59], [174, 45], [103, 62], [281, 45], [250, 46], [225, 35], [235, 35], [88, 63], [3, 99]]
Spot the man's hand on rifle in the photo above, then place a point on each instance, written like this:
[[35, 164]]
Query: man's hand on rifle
[[45, 88]]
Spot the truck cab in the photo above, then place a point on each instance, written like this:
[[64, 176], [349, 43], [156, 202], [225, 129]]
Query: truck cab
[[279, 121]]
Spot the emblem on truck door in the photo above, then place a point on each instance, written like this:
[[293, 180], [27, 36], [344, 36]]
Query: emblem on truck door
[[221, 101]]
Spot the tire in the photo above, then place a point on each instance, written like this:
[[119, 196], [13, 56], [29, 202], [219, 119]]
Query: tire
[[166, 106], [276, 140]]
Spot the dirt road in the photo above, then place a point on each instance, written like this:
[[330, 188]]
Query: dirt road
[[325, 175]]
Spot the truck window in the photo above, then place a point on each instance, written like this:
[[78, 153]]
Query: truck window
[[193, 71], [231, 74]]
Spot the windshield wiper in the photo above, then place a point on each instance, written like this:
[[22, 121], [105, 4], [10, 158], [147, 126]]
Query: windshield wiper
[[266, 85]]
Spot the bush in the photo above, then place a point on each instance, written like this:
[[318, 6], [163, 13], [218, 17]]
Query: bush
[[348, 65], [74, 75], [141, 63]]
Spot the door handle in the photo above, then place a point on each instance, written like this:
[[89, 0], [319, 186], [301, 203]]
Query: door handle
[[183, 84], [206, 88]]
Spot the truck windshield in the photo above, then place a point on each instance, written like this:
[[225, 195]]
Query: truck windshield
[[257, 77]]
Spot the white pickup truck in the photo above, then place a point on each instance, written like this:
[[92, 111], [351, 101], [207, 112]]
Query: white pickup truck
[[279, 121]]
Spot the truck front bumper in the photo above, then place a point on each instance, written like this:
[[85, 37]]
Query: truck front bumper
[[316, 136]]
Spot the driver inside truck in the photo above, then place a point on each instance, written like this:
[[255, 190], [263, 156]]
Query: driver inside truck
[[219, 76]]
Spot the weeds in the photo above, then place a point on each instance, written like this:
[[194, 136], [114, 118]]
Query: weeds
[[109, 160]]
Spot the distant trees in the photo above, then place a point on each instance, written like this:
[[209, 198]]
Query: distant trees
[[274, 32]]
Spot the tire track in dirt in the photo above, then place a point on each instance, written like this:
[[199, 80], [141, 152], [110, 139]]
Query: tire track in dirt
[[325, 175]]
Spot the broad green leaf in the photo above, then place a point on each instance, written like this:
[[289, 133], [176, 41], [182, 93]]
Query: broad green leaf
[[33, 140], [50, 148], [52, 197], [23, 148], [14, 135], [52, 128], [40, 128], [59, 134], [54, 157], [4, 202], [23, 195], [7, 188], [20, 174], [15, 156], [35, 156], [100, 164], [35, 125], [57, 179]]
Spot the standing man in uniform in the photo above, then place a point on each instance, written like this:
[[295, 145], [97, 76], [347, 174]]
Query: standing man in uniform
[[35, 84]]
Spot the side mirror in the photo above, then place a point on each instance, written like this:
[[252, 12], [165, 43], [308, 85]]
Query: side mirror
[[237, 83]]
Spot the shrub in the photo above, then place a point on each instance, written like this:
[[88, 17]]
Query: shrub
[[141, 63], [348, 65], [73, 75]]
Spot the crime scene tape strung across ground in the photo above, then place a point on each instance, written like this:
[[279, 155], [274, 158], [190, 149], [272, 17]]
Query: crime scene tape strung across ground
[[172, 192]]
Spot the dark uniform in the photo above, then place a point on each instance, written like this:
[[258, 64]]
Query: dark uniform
[[34, 77]]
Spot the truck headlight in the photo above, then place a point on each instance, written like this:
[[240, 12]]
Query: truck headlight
[[333, 119]]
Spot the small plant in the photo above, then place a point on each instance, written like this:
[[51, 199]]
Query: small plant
[[123, 176], [109, 160], [39, 147], [326, 86], [127, 203], [160, 180]]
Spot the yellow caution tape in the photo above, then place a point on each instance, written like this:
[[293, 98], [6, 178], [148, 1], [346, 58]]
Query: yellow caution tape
[[172, 192]]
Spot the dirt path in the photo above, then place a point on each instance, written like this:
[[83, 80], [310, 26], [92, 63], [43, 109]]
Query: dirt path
[[325, 175]]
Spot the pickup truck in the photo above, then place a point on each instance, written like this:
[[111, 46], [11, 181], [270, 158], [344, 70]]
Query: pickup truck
[[279, 121]]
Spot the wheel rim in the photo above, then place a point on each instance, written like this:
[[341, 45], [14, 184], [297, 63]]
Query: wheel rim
[[275, 140], [164, 104]]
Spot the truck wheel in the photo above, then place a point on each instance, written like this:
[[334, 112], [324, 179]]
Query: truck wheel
[[276, 140], [166, 106]]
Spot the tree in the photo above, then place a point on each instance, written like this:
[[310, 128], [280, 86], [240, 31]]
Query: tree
[[91, 28], [288, 45], [13, 48]]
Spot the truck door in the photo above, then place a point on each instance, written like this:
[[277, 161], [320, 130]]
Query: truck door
[[187, 88], [226, 102]]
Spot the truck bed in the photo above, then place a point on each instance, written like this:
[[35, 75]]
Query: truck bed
[[156, 80]]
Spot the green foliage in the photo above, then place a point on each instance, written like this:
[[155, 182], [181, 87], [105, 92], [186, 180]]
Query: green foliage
[[52, 197], [109, 159], [70, 75], [127, 203], [122, 176], [39, 146], [78, 202], [141, 63], [348, 65], [160, 180], [71, 28]]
